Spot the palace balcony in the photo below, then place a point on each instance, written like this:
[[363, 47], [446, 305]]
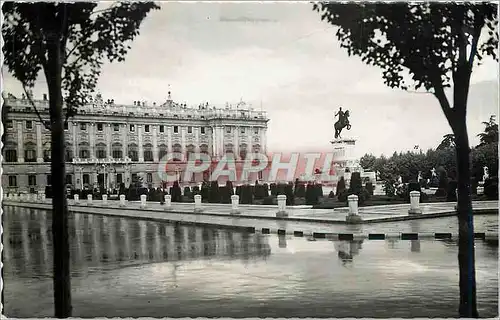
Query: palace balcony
[[80, 161]]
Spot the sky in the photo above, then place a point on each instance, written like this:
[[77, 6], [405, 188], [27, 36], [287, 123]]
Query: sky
[[283, 58]]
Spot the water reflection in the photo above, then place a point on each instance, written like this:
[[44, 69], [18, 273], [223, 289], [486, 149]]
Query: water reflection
[[131, 268], [102, 242]]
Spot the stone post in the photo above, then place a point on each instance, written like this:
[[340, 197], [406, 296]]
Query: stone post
[[144, 198], [76, 198], [281, 206], [122, 200], [16, 197], [415, 203], [105, 199], [353, 216], [168, 202], [197, 203], [235, 201], [43, 196], [89, 199]]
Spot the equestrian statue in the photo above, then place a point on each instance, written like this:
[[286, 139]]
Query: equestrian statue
[[342, 123]]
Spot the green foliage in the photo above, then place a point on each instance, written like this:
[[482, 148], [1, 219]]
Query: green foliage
[[369, 188], [356, 183], [389, 188], [490, 134], [368, 162], [214, 195], [447, 143], [414, 37], [87, 38]]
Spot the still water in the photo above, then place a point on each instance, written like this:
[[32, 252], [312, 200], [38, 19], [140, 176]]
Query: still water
[[124, 267]]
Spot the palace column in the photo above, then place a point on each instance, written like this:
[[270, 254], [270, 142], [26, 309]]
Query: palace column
[[249, 132], [236, 142], [39, 150], [141, 147], [169, 139], [263, 140], [20, 142], [183, 141], [75, 141], [213, 141], [197, 139], [108, 140], [155, 144], [91, 129]]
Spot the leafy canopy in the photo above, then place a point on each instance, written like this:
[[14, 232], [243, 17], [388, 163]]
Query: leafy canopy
[[87, 38], [425, 39]]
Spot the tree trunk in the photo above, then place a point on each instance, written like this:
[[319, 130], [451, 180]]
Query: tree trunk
[[62, 281], [466, 263]]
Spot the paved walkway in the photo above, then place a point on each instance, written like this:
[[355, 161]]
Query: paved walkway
[[392, 219]]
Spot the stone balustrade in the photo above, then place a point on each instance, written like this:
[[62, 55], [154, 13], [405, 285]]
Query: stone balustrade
[[281, 206]]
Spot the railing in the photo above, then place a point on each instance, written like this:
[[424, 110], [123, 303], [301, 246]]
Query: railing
[[101, 161]]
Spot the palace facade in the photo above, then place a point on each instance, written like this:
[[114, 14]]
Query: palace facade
[[108, 144]]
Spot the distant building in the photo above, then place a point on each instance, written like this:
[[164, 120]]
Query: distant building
[[108, 144]]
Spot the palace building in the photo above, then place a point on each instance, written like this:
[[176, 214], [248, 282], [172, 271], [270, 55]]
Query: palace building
[[108, 144]]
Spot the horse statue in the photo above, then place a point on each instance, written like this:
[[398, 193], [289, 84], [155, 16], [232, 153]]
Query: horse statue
[[342, 123]]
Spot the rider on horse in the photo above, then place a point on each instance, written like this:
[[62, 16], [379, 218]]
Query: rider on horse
[[342, 122]]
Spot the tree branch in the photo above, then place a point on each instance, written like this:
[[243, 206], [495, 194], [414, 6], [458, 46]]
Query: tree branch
[[34, 107], [478, 26]]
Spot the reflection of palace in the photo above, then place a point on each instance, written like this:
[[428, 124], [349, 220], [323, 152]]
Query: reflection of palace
[[108, 144], [97, 240]]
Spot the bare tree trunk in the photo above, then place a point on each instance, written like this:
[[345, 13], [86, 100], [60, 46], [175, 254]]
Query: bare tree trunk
[[62, 280], [466, 261]]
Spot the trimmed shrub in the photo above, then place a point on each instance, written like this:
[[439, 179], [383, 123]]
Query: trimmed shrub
[[369, 187], [331, 195], [270, 200], [274, 190], [451, 191], [196, 190], [205, 192], [187, 192], [340, 186], [214, 196], [290, 198], [491, 188], [312, 194], [175, 192]]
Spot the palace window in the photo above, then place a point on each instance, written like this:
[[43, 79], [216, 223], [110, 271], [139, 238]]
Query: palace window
[[162, 129], [176, 129], [11, 155], [32, 180], [148, 155], [101, 154], [202, 130], [117, 154], [242, 130], [69, 179], [163, 151], [149, 177], [9, 124], [133, 155], [86, 179], [83, 126], [132, 128], [29, 124], [134, 177], [12, 181], [228, 129], [256, 130], [146, 128], [148, 152], [65, 125], [119, 178], [116, 127], [69, 154], [190, 129], [29, 155], [99, 127], [84, 154], [46, 155]]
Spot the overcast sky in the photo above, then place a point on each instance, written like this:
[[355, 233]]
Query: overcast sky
[[280, 55]]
